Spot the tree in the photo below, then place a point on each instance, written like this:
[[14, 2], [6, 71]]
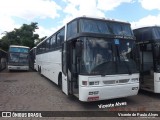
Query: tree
[[23, 36]]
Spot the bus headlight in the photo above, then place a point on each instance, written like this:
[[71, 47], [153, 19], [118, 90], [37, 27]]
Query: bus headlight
[[94, 83], [135, 80], [84, 83]]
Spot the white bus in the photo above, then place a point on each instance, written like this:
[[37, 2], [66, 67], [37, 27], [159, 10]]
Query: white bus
[[91, 59], [18, 57], [148, 40]]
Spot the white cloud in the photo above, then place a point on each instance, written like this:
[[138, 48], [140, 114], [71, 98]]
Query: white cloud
[[146, 21], [7, 24], [96, 8], [150, 4], [83, 7], [29, 9], [74, 2], [76, 8], [71, 9], [25, 9], [111, 4], [42, 31], [149, 20]]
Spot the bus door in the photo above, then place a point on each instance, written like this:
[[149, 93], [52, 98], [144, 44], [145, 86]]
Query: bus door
[[73, 68], [64, 69], [147, 66], [69, 68]]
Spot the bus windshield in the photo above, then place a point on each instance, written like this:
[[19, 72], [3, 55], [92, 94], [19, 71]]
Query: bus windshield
[[101, 56], [19, 50], [18, 55], [103, 27]]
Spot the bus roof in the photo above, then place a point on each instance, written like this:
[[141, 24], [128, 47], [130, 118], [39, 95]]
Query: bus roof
[[99, 18], [150, 33], [146, 27], [85, 17], [19, 46]]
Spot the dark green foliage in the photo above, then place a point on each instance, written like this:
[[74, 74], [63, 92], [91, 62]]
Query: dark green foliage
[[23, 36]]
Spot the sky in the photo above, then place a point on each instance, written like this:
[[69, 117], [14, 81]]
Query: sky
[[53, 14]]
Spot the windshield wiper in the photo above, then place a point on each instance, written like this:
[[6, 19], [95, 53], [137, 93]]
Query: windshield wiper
[[127, 66], [104, 68]]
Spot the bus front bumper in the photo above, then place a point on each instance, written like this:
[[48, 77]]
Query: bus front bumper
[[107, 92], [10, 67]]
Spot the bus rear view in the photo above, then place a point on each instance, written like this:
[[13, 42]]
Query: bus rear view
[[18, 58]]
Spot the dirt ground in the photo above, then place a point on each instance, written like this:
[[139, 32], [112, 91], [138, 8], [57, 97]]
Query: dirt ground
[[28, 91]]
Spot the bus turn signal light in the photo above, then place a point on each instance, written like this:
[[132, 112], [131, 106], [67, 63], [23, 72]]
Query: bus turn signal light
[[84, 82]]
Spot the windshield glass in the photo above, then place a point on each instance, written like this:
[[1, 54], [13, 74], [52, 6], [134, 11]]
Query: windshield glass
[[156, 33], [105, 27], [18, 58], [18, 49], [101, 56]]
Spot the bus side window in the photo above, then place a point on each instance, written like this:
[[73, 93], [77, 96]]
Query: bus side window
[[48, 45], [44, 46], [60, 38], [72, 28], [53, 42], [40, 48]]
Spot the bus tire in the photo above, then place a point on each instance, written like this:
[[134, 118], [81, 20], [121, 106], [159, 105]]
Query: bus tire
[[38, 69], [40, 72], [60, 80]]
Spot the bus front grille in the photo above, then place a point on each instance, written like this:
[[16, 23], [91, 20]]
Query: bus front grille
[[109, 82], [123, 81], [115, 81]]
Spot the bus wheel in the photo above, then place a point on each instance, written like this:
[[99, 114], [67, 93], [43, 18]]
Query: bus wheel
[[38, 68], [40, 71], [60, 80]]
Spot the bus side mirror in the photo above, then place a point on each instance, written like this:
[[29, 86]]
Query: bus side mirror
[[78, 48]]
